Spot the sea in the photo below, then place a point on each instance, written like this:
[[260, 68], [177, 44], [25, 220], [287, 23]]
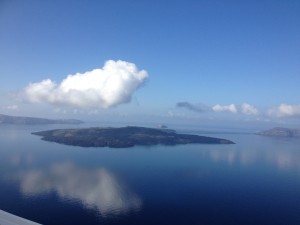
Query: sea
[[255, 181]]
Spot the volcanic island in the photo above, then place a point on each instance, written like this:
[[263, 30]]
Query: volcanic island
[[124, 137]]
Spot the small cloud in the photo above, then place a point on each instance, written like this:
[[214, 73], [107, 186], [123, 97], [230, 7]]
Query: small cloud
[[93, 112], [170, 113], [10, 107], [284, 110], [245, 108], [248, 109], [60, 111], [187, 105], [106, 87], [225, 108]]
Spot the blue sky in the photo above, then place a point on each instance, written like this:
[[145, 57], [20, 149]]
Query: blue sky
[[206, 61]]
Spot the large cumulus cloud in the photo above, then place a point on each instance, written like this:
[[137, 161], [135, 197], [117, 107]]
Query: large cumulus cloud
[[106, 87]]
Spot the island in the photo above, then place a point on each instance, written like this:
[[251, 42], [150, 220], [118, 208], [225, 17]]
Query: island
[[17, 120], [281, 132], [124, 137]]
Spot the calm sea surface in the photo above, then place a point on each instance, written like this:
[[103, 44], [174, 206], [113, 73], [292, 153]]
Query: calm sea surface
[[256, 181]]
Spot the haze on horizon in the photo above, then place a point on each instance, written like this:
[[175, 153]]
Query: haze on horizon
[[198, 62]]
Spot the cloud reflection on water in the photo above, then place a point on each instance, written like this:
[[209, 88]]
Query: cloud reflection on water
[[282, 159], [232, 156], [94, 188]]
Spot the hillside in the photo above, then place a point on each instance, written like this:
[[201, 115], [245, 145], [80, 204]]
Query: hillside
[[5, 119], [281, 132], [124, 137]]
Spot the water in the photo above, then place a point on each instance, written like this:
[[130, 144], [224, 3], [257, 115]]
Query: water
[[255, 181]]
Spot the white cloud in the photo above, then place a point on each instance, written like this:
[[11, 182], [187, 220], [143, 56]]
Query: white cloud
[[225, 108], [248, 109], [245, 108], [10, 107], [109, 86], [284, 110]]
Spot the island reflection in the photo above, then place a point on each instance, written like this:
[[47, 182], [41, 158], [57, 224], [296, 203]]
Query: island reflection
[[97, 188]]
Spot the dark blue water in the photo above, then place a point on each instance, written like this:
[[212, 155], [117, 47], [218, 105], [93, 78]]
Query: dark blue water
[[255, 181]]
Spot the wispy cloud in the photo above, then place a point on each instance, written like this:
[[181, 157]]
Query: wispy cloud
[[106, 87], [10, 107], [248, 109], [284, 110], [196, 108], [245, 108], [281, 111]]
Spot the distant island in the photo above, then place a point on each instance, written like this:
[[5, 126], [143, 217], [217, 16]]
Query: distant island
[[5, 119], [281, 132], [124, 137]]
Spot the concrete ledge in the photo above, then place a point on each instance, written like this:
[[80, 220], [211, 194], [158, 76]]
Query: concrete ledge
[[10, 219]]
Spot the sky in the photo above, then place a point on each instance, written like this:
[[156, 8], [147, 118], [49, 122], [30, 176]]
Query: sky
[[200, 62]]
